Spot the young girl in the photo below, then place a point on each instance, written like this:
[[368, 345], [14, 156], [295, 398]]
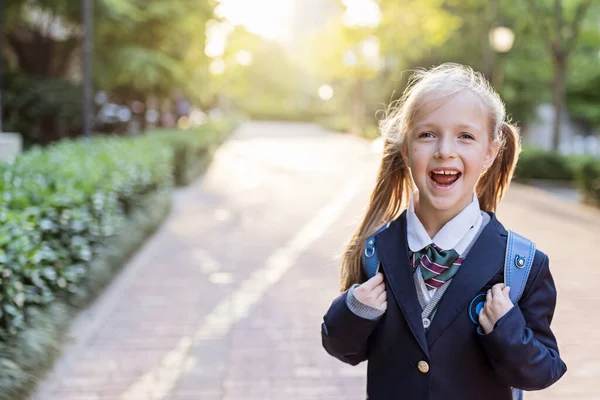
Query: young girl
[[449, 137]]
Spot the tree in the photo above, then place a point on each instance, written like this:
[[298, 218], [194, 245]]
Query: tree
[[153, 48], [43, 35], [366, 60], [561, 37], [141, 49], [259, 76], [583, 91]]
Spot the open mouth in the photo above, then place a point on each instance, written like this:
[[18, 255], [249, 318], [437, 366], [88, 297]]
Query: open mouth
[[444, 178]]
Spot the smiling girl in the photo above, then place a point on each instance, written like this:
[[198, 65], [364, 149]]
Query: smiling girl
[[450, 154]]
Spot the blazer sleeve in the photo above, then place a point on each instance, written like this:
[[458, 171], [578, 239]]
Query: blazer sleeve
[[522, 347], [344, 334]]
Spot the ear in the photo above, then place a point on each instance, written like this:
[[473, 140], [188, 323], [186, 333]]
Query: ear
[[491, 153]]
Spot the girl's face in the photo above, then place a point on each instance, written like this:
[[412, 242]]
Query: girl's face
[[447, 149]]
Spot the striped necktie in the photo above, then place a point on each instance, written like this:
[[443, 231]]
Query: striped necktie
[[437, 266]]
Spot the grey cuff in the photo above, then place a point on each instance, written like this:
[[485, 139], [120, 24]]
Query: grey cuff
[[359, 308]]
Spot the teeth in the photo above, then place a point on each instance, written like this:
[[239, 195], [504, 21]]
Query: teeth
[[446, 172]]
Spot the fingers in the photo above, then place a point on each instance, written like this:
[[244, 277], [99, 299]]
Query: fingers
[[485, 322], [497, 291], [374, 281], [373, 292], [382, 298], [374, 297], [379, 289], [488, 307], [497, 304]]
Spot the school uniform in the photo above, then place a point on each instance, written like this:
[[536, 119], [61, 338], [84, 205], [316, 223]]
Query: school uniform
[[416, 351]]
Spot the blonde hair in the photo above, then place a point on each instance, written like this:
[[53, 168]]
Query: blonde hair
[[394, 182]]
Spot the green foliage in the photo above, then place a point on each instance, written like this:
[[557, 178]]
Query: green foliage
[[34, 106], [273, 85], [584, 79], [192, 148], [59, 206], [142, 50], [584, 170], [540, 164], [70, 216], [588, 180], [25, 356], [152, 47], [33, 350]]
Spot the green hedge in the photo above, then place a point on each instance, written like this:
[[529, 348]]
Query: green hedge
[[40, 108], [540, 164], [70, 216], [193, 148], [58, 207], [588, 180], [584, 170], [25, 356]]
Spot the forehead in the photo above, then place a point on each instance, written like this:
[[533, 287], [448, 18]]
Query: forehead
[[462, 108]]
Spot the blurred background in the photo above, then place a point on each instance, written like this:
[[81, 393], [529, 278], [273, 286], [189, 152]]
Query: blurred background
[[184, 132], [327, 61]]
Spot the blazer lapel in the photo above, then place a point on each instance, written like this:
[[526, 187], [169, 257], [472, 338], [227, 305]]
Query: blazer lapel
[[392, 249], [485, 260]]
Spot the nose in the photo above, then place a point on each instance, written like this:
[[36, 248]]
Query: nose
[[446, 148]]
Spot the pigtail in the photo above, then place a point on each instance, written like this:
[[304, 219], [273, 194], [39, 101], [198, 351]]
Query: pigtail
[[389, 196], [494, 182]]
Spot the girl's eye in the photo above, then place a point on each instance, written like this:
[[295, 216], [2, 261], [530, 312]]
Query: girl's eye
[[466, 136], [425, 134]]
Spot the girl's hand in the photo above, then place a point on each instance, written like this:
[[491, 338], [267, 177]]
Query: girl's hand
[[372, 292], [497, 303]]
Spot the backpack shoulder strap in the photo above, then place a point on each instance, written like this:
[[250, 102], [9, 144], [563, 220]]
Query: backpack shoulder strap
[[517, 264], [370, 260]]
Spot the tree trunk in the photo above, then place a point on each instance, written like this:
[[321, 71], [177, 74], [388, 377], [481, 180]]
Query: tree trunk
[[558, 96], [358, 108]]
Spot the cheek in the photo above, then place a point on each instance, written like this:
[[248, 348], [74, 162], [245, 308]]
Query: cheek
[[474, 163], [416, 158]]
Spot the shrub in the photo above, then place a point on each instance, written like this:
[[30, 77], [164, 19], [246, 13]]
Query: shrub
[[70, 216], [588, 180], [192, 148], [42, 109], [59, 205], [539, 164]]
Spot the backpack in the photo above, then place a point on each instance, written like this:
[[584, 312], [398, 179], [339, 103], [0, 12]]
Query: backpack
[[518, 260]]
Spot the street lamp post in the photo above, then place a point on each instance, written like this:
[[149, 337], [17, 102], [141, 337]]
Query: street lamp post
[[87, 67], [501, 39]]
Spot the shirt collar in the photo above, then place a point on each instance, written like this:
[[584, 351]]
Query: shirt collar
[[450, 234]]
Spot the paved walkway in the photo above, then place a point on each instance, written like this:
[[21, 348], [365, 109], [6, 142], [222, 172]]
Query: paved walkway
[[226, 300]]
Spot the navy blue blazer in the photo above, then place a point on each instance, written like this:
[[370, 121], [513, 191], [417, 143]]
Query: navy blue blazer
[[520, 352]]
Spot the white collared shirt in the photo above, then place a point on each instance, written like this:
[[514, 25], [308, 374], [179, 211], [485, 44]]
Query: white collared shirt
[[457, 234]]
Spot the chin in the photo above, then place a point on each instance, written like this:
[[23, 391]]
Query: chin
[[446, 200], [444, 204]]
